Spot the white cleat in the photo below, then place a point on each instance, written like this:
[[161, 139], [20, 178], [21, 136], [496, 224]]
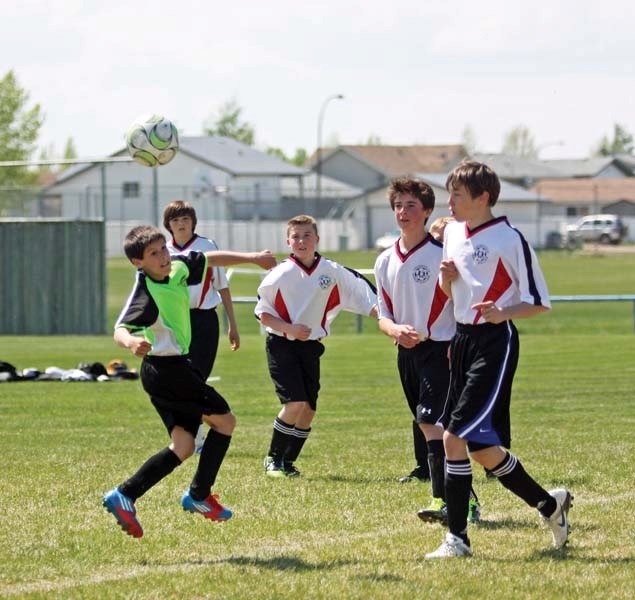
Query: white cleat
[[558, 522], [453, 546]]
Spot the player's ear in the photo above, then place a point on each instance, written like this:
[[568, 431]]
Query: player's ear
[[137, 262]]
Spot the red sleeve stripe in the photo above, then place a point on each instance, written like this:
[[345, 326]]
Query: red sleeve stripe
[[207, 282], [500, 284], [281, 308], [333, 302], [387, 300], [439, 300]]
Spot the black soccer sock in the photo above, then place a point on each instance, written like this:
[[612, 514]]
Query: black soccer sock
[[151, 472], [280, 439], [436, 462], [212, 456], [458, 483], [295, 444], [421, 449], [514, 477]]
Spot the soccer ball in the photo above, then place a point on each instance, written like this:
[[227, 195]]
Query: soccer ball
[[152, 140]]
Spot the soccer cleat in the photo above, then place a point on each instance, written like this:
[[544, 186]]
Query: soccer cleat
[[267, 461], [124, 511], [417, 474], [452, 546], [437, 512], [291, 470], [276, 469], [558, 522], [210, 508]]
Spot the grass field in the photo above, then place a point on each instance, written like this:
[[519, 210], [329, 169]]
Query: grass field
[[347, 528]]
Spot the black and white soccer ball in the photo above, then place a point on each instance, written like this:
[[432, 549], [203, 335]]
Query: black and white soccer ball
[[152, 140]]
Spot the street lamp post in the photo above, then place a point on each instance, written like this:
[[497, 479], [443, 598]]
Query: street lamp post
[[318, 167]]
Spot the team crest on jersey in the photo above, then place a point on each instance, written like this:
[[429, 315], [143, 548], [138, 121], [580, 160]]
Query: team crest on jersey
[[325, 282], [421, 273], [480, 254]]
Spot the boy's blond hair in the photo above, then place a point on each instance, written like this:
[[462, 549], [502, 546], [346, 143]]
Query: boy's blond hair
[[302, 220], [437, 227]]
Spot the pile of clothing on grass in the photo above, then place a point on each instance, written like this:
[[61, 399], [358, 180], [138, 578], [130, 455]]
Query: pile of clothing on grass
[[115, 370]]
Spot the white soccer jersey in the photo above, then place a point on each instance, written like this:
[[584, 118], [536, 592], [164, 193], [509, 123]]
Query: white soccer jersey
[[495, 263], [205, 295], [313, 296], [409, 293]]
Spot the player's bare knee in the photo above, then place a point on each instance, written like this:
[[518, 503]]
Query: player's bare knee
[[183, 448]]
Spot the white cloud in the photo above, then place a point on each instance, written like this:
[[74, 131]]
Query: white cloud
[[411, 71]]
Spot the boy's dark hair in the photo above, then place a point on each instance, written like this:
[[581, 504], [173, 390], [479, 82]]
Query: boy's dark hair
[[414, 187], [302, 220], [477, 178], [178, 208], [139, 238]]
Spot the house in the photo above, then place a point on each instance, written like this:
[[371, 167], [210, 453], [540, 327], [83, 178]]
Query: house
[[231, 176], [371, 166], [524, 172], [596, 167], [583, 196]]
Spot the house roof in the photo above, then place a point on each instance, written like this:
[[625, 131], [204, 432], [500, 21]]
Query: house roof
[[330, 188], [401, 160], [509, 192], [235, 157], [587, 191], [223, 153], [585, 167], [627, 161], [517, 168]]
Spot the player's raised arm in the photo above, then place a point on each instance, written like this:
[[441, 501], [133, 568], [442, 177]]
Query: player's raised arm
[[220, 258]]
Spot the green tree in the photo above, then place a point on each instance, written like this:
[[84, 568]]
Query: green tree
[[227, 123], [19, 128], [278, 153], [520, 142], [69, 152], [622, 142], [373, 140], [298, 159]]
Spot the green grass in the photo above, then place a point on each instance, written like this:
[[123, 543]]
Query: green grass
[[346, 529]]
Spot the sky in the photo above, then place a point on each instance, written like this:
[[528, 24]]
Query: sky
[[410, 71]]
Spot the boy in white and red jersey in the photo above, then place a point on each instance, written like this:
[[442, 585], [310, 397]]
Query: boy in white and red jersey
[[492, 275], [179, 218], [416, 313], [297, 302]]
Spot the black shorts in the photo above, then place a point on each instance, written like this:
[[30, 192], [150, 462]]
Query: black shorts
[[483, 363], [178, 392], [425, 376], [204, 344], [294, 367]]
